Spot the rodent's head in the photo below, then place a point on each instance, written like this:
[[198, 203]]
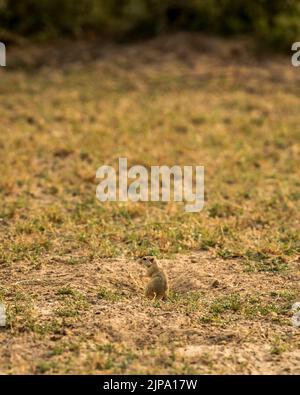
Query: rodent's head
[[147, 261], [150, 263]]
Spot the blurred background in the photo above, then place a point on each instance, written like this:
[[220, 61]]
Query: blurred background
[[271, 23]]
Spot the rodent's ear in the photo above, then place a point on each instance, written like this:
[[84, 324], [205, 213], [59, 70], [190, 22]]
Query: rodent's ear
[[151, 258]]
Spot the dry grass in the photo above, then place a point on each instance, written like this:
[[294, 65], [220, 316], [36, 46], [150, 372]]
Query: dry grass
[[64, 256]]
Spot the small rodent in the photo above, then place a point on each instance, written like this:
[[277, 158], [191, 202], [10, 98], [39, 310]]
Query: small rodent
[[158, 285]]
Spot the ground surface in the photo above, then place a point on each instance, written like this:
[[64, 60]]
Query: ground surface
[[68, 273]]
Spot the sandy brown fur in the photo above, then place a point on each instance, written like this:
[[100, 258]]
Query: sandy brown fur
[[158, 285]]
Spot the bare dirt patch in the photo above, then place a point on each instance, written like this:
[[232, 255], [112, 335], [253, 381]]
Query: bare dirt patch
[[92, 317]]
